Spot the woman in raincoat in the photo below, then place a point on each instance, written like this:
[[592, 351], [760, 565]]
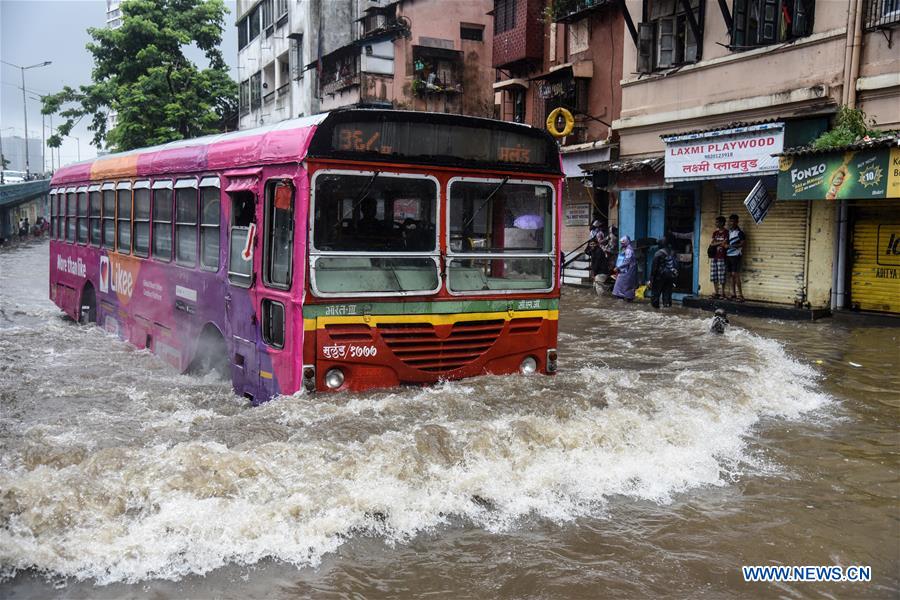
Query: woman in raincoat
[[626, 264]]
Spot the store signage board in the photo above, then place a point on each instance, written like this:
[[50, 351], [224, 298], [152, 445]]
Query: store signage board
[[577, 214], [858, 175], [758, 202], [737, 152]]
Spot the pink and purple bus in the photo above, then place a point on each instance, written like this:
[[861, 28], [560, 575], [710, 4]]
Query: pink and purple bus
[[343, 251]]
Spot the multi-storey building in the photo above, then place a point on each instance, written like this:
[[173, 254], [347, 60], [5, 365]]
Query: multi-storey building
[[425, 55], [275, 39], [298, 58], [713, 91], [564, 53]]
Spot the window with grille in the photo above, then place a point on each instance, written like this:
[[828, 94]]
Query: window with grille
[[471, 32], [667, 38], [763, 22], [504, 15]]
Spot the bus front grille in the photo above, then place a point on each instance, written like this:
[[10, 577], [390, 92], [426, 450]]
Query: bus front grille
[[432, 348]]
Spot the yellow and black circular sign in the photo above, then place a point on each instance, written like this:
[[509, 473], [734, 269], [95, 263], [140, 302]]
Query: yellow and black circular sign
[[568, 122]]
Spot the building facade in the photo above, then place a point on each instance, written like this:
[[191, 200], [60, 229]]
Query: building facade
[[13, 147], [712, 90], [424, 55], [302, 57], [561, 53], [275, 40]]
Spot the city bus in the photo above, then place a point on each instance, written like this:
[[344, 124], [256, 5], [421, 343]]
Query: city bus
[[351, 250]]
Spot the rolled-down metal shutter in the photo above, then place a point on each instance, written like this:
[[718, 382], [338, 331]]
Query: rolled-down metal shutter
[[875, 270], [775, 251]]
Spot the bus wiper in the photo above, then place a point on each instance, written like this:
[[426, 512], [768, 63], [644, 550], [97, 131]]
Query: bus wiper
[[486, 200], [364, 193]]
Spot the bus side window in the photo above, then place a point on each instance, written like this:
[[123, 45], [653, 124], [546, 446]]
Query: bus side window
[[82, 218], [210, 217], [109, 218], [273, 323], [123, 218], [54, 218], [70, 217], [94, 202], [142, 220], [162, 220], [186, 222], [279, 240], [243, 214]]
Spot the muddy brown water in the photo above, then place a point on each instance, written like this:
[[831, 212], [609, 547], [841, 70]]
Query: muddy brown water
[[657, 462]]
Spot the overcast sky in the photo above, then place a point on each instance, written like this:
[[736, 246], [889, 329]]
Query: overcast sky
[[33, 31]]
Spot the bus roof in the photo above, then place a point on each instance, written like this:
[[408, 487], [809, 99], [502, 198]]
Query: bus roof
[[285, 141]]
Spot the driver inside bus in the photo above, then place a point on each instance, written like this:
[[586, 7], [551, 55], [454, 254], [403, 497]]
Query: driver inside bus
[[369, 225]]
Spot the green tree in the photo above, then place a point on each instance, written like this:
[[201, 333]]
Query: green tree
[[141, 73]]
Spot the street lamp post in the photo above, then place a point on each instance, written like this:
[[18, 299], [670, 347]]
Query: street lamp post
[[25, 104], [78, 142]]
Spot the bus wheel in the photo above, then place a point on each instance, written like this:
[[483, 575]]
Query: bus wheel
[[211, 355], [88, 306]]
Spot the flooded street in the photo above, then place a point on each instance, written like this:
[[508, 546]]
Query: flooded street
[[657, 462]]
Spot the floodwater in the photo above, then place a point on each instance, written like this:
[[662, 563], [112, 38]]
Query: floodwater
[[658, 461]]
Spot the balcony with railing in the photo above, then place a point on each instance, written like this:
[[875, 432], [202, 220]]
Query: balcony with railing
[[569, 11], [881, 14]]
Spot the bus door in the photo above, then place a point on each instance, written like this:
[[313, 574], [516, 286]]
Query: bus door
[[240, 311], [276, 310]]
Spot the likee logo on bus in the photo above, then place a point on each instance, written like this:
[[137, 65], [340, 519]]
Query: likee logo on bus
[[117, 276], [104, 274]]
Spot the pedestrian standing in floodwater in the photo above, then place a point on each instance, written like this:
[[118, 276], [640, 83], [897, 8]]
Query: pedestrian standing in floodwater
[[733, 256], [663, 273], [626, 265], [716, 253]]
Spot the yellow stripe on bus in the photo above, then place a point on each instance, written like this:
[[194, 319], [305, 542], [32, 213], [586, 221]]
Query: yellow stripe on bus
[[431, 319]]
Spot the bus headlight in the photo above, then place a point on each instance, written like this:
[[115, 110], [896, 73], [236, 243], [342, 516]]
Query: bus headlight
[[528, 366], [334, 378], [551, 360]]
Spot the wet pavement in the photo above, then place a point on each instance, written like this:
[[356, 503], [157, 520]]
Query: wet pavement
[[658, 461]]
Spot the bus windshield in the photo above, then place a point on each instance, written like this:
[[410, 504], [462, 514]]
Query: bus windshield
[[375, 212]]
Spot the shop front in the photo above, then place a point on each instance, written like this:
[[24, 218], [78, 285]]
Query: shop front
[[583, 201], [721, 167], [861, 184]]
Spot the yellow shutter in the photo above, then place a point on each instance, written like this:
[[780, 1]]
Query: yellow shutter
[[875, 256], [775, 251]]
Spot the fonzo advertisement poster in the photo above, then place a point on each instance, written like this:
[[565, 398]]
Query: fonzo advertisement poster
[[840, 176]]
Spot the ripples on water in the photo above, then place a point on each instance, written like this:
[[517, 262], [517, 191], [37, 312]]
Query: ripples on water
[[114, 468]]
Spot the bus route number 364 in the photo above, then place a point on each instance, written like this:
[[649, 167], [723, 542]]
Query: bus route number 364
[[341, 351]]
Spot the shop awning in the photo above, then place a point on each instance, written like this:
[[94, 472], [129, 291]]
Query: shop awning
[[630, 165], [510, 84], [439, 53], [573, 158], [580, 69]]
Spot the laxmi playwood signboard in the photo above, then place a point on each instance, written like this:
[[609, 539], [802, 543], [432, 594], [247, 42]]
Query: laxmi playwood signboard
[[736, 152]]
